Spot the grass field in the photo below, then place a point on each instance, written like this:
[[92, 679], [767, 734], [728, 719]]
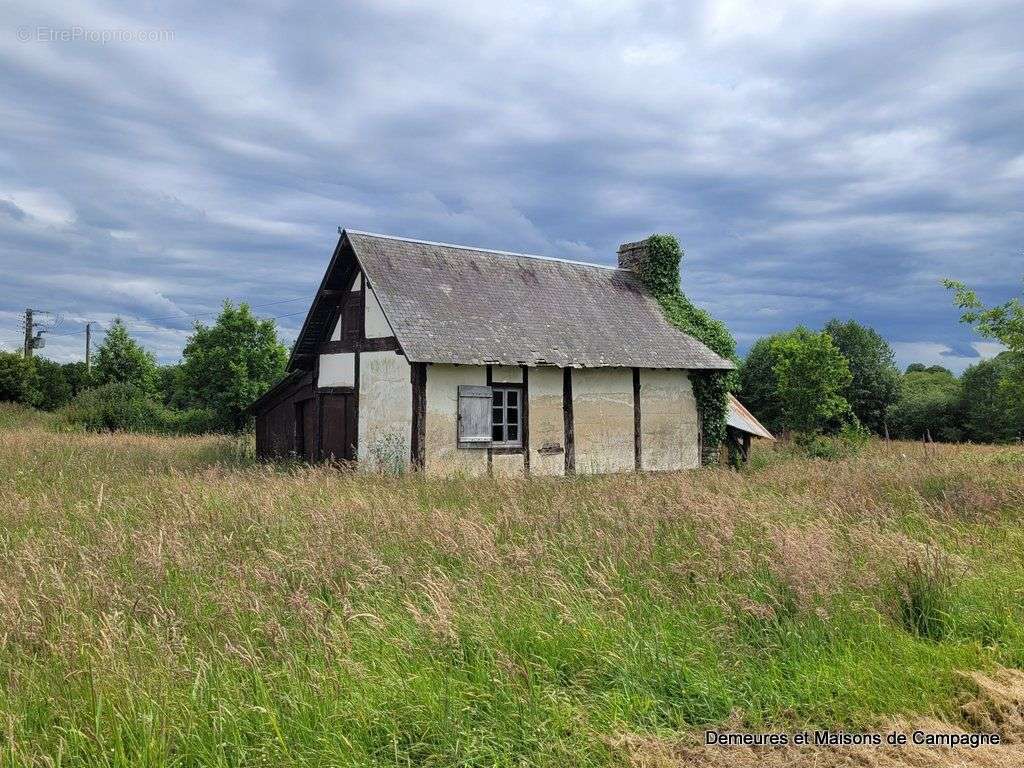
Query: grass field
[[166, 601]]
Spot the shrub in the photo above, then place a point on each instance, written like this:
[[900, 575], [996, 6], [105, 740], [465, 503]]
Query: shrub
[[126, 408], [848, 443], [17, 378]]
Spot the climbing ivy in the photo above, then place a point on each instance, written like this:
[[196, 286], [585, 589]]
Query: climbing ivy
[[660, 273]]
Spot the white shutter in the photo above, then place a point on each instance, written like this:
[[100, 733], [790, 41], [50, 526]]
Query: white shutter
[[475, 414]]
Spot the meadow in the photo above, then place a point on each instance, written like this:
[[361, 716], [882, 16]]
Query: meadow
[[169, 601]]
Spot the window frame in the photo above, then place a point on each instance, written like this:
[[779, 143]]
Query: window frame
[[510, 446]]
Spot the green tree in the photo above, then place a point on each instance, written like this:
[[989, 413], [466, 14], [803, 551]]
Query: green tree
[[172, 388], [810, 378], [991, 414], [17, 378], [53, 389], [758, 384], [228, 365], [874, 379], [1002, 322], [78, 377], [929, 404], [121, 360]]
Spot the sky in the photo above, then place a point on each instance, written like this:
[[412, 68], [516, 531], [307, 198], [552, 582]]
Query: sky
[[816, 160]]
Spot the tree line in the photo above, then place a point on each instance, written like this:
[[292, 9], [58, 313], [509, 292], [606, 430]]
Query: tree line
[[845, 377], [224, 367]]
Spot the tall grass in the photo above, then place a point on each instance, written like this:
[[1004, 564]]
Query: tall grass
[[167, 601]]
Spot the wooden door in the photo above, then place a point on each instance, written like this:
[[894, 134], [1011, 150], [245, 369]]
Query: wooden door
[[338, 427]]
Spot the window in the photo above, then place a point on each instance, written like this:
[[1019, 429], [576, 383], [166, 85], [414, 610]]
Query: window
[[506, 417], [491, 416]]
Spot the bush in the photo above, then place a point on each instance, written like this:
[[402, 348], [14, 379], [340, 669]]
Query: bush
[[848, 443], [127, 408], [17, 378]]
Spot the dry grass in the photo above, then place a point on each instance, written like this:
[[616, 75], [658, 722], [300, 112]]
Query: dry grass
[[165, 602]]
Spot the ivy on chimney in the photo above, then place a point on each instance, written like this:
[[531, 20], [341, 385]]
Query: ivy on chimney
[[660, 273]]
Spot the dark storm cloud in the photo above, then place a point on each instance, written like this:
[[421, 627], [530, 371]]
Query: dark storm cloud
[[817, 160]]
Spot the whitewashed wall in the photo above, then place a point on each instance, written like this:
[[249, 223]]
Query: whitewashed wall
[[602, 403], [442, 454], [385, 411], [668, 421]]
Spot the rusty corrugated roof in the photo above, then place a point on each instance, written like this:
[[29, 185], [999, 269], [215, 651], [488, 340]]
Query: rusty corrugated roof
[[742, 419], [455, 304]]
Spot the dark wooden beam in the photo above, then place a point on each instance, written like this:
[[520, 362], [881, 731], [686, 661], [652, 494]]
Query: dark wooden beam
[[418, 376], [490, 448], [638, 462], [525, 406], [386, 344], [331, 294], [354, 434], [336, 390], [570, 436]]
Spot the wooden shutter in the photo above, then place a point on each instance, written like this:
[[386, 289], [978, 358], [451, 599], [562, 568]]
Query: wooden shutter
[[352, 318], [474, 415]]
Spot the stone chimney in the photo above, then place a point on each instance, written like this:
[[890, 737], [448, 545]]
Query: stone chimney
[[633, 255]]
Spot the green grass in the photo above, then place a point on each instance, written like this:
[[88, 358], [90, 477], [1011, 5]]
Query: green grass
[[166, 601]]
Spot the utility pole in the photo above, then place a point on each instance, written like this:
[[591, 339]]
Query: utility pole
[[88, 344], [28, 333]]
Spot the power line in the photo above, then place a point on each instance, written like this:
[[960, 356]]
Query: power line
[[164, 330]]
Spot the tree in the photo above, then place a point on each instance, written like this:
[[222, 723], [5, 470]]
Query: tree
[[17, 378], [758, 384], [53, 389], [227, 366], [795, 381], [1002, 322], [120, 360], [929, 404], [874, 379], [990, 413], [78, 377], [810, 378]]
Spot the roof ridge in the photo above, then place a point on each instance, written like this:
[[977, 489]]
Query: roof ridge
[[482, 250]]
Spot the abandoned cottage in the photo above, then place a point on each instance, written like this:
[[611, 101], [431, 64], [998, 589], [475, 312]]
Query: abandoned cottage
[[455, 359]]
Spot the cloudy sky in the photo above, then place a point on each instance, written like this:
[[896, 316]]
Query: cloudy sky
[[817, 159]]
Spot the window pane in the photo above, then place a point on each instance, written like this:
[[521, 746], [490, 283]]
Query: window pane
[[499, 397], [496, 433], [497, 416], [513, 432], [513, 397], [512, 416]]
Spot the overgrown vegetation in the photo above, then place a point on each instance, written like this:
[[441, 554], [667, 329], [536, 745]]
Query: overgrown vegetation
[[660, 273], [166, 601]]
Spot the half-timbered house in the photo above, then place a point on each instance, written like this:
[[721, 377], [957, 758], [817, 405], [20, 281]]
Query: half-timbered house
[[449, 359]]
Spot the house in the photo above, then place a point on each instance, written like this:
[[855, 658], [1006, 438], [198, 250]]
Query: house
[[450, 359]]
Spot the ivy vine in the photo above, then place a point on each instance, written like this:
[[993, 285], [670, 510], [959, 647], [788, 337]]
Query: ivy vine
[[660, 273]]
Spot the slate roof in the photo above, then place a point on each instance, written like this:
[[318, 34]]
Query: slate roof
[[742, 419], [456, 304]]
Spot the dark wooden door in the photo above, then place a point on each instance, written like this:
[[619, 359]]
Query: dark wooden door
[[337, 422]]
